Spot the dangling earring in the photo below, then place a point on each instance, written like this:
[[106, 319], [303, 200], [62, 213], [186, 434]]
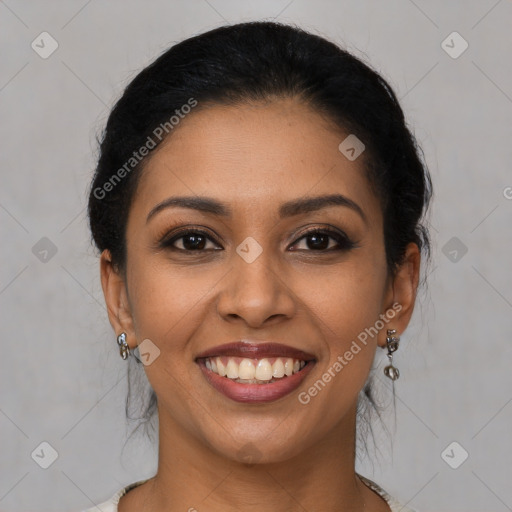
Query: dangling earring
[[392, 342], [124, 349]]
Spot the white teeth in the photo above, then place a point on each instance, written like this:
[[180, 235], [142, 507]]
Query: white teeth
[[221, 369], [253, 370], [246, 370], [232, 370], [263, 370], [278, 369]]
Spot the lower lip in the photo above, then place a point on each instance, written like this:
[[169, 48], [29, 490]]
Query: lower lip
[[256, 393]]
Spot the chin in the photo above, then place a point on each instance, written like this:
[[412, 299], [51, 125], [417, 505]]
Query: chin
[[264, 447]]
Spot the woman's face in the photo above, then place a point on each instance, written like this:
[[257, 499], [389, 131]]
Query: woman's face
[[254, 275]]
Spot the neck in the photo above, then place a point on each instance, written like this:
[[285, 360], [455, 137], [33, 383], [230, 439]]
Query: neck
[[191, 477]]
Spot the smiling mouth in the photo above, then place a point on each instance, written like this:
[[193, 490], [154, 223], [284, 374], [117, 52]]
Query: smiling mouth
[[249, 372], [254, 371]]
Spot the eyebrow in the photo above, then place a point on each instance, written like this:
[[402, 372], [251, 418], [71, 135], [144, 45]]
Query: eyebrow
[[288, 209]]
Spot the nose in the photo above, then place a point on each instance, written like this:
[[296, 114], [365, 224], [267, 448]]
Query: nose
[[257, 292]]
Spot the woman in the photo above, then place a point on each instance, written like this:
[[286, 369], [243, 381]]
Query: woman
[[257, 204]]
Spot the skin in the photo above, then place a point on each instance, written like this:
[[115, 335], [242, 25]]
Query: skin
[[253, 158]]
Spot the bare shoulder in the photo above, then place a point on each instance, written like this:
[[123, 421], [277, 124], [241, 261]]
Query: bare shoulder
[[373, 501], [136, 499]]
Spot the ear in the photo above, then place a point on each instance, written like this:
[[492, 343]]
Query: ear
[[401, 293], [116, 298]]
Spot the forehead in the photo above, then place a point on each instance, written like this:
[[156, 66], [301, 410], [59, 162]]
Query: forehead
[[256, 155]]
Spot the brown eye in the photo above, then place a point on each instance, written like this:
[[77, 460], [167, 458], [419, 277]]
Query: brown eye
[[191, 240], [320, 240]]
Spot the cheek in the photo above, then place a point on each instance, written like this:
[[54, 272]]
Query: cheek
[[163, 301], [346, 299], [346, 304], [167, 307]]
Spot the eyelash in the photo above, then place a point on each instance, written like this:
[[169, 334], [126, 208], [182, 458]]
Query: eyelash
[[343, 241]]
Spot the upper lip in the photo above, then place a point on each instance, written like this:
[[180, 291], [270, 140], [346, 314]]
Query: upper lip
[[256, 350]]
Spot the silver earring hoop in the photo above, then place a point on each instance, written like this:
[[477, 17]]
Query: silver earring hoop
[[392, 343], [124, 349]]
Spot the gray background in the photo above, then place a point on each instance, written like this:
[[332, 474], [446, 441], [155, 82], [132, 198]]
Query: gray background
[[61, 378]]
